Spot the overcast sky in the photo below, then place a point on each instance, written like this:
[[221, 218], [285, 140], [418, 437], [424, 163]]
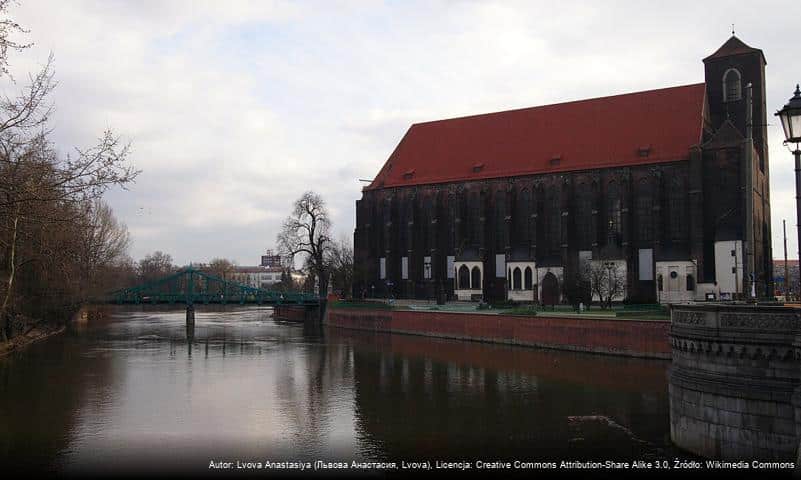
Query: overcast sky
[[235, 108]]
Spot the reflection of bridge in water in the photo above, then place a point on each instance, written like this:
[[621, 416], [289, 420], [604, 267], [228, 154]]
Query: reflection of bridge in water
[[190, 286]]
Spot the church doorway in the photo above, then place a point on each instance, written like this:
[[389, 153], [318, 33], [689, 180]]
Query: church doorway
[[550, 289]]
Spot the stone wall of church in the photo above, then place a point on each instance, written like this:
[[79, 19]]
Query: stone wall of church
[[407, 239]]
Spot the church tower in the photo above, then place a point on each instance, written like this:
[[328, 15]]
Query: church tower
[[727, 72], [735, 96]]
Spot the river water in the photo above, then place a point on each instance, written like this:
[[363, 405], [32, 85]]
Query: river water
[[132, 393]]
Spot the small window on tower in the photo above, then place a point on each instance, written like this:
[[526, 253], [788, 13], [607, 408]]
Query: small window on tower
[[731, 85]]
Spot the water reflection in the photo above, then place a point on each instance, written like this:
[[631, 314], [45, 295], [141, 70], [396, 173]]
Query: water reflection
[[466, 400], [143, 391]]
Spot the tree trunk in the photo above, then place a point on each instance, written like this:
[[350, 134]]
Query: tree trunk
[[322, 283], [4, 317]]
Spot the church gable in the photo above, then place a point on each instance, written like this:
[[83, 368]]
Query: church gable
[[725, 137]]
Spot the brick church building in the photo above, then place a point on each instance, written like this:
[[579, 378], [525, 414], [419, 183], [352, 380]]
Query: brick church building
[[667, 187]]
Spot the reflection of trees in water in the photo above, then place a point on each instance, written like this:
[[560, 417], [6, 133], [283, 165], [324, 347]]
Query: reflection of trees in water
[[471, 400], [305, 387], [42, 392]]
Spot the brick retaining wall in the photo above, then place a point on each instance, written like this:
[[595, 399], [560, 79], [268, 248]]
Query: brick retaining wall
[[638, 338], [296, 313]]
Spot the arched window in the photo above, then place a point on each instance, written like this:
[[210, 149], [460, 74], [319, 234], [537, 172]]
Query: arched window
[[464, 277], [528, 275], [516, 277], [731, 85], [476, 280], [690, 283]]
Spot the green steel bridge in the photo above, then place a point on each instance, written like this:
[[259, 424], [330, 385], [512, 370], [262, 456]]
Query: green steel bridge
[[190, 286]]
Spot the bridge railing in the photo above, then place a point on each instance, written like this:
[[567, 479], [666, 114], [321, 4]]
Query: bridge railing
[[195, 286]]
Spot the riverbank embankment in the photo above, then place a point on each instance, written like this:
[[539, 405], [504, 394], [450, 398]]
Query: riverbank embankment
[[33, 335], [585, 333]]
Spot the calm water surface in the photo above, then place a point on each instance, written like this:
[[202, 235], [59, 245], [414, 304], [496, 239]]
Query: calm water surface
[[134, 393]]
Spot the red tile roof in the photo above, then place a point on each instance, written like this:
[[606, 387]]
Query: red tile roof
[[580, 135]]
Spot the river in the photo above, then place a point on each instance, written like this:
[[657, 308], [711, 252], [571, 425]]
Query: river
[[131, 393]]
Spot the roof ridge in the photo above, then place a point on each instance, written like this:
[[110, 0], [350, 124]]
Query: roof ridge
[[569, 102]]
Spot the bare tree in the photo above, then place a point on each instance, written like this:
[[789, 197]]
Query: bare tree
[[340, 264], [106, 239], [8, 27], [104, 243], [43, 196], [155, 265], [605, 280], [222, 268], [305, 232]]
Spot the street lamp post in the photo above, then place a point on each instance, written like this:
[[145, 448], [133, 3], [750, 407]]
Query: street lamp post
[[790, 117], [609, 275]]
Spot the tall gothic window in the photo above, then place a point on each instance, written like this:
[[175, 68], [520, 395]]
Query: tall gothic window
[[613, 211], [387, 211], [451, 223], [386, 230], [729, 178], [645, 204], [403, 222], [500, 220], [427, 215], [553, 220], [474, 214], [583, 215], [677, 210], [522, 217], [731, 85]]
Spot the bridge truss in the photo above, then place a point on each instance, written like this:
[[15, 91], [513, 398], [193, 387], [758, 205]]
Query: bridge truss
[[191, 286]]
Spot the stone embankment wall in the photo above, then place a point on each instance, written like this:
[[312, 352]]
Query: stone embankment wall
[[734, 381], [638, 338], [297, 313]]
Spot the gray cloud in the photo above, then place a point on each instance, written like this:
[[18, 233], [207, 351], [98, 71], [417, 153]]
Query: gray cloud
[[235, 108]]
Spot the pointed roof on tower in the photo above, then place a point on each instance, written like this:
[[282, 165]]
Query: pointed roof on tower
[[734, 46]]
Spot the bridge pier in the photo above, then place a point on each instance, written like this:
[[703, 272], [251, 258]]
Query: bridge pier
[[190, 315]]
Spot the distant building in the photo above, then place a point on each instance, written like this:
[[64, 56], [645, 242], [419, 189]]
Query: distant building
[[270, 260], [257, 276], [778, 278]]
